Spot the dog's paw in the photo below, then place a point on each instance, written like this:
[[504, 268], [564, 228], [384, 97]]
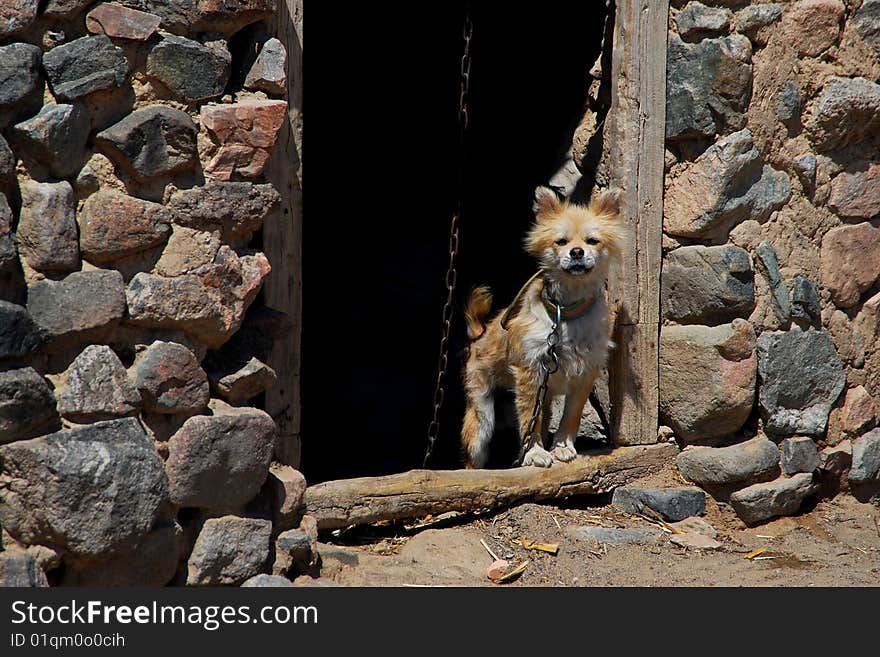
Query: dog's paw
[[539, 456], [564, 452]]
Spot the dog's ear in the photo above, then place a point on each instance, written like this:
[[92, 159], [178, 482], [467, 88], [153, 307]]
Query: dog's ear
[[607, 202], [545, 203]]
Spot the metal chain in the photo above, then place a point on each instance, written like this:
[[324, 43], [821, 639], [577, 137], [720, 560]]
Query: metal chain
[[451, 272], [549, 365]]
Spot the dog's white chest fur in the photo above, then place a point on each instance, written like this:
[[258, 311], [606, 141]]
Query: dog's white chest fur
[[583, 342]]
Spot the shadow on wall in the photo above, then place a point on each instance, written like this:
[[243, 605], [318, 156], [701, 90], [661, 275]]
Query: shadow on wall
[[370, 344]]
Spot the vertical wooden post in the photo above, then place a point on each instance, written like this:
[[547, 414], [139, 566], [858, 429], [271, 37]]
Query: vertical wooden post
[[635, 141], [282, 240]]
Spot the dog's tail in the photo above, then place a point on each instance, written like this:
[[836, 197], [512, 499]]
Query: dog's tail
[[479, 304]]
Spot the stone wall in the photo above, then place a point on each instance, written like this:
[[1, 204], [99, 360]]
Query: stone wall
[[133, 140], [769, 353]]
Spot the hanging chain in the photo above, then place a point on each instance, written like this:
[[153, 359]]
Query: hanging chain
[[549, 364], [451, 272]]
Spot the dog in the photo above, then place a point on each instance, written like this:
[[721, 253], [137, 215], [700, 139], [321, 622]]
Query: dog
[[578, 248]]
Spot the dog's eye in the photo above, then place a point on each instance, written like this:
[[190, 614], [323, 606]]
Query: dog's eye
[[592, 241], [561, 241]]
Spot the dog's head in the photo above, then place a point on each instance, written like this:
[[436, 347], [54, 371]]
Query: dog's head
[[577, 240]]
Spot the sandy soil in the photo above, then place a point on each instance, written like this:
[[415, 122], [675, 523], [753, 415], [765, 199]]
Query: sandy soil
[[837, 543]]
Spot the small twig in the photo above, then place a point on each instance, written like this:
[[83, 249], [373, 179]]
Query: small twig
[[558, 526], [489, 550]]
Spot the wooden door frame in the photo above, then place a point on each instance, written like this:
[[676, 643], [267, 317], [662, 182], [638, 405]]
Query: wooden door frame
[[282, 242], [634, 138]]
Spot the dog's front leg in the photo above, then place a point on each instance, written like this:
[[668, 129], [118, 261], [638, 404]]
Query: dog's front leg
[[576, 395], [527, 383]]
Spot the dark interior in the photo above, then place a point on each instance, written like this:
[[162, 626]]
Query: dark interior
[[383, 113]]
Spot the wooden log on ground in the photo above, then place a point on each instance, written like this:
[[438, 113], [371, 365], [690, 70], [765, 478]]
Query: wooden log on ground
[[418, 493]]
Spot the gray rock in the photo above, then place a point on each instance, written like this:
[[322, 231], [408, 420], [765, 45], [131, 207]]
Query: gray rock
[[288, 489], [268, 72], [64, 8], [866, 20], [20, 88], [27, 406], [56, 137], [239, 208], [789, 104], [781, 302], [94, 490], [16, 15], [20, 570], [152, 563], [720, 466], [801, 377], [170, 379], [707, 379], [229, 550], [754, 17], [85, 65], [763, 501], [673, 504], [8, 250], [47, 237], [707, 285], [612, 534], [19, 334], [727, 184], [805, 168], [97, 388], [697, 20], [192, 71], [805, 306], [153, 141], [590, 425], [847, 111], [82, 306], [221, 461], [708, 86], [799, 455], [113, 225], [267, 581], [244, 383], [296, 550], [7, 162], [866, 458]]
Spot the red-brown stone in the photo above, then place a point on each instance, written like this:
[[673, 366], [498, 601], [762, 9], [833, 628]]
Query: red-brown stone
[[856, 195], [812, 26], [848, 261], [113, 225], [246, 133], [122, 22]]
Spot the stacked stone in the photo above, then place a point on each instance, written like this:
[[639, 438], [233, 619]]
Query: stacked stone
[[769, 363], [130, 191]]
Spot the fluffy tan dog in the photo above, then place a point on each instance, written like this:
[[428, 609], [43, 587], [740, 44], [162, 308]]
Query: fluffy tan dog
[[576, 247]]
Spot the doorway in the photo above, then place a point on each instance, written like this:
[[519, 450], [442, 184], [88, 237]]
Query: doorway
[[369, 352]]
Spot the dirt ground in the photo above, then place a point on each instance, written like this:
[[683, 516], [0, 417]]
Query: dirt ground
[[837, 543]]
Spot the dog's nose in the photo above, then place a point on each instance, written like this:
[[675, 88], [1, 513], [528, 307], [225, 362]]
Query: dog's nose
[[576, 253]]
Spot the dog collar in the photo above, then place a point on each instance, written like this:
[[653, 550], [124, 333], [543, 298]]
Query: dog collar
[[572, 311]]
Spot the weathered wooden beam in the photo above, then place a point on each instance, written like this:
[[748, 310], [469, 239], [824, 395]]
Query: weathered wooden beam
[[635, 136], [418, 493], [282, 242]]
